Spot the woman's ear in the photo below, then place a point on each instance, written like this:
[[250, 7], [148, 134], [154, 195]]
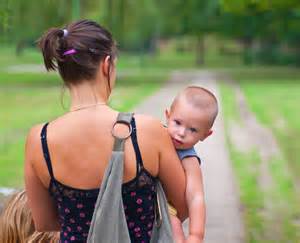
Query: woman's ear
[[106, 66], [167, 114]]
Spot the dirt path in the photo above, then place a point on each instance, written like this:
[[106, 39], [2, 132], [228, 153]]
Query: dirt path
[[224, 222]]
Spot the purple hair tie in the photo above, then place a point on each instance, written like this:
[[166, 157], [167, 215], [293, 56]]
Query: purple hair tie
[[69, 52]]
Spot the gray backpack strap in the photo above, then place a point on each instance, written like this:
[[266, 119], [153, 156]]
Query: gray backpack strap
[[162, 229], [108, 222], [124, 118]]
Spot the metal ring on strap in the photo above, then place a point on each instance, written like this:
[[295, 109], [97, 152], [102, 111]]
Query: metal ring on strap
[[122, 122]]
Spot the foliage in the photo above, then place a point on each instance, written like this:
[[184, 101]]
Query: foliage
[[269, 30], [4, 17], [259, 5]]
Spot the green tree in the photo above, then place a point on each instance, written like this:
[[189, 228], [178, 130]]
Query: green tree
[[191, 17], [5, 14], [28, 19], [266, 28]]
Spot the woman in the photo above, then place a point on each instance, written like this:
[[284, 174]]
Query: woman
[[65, 159]]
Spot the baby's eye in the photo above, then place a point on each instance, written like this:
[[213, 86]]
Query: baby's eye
[[177, 122], [193, 129]]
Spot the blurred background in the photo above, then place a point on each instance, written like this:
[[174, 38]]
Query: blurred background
[[252, 46]]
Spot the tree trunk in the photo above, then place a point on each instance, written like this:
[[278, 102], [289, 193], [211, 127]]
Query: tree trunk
[[75, 9], [200, 50], [122, 21], [20, 47], [248, 51], [110, 14]]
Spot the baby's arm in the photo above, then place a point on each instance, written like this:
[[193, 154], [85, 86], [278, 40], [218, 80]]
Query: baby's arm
[[195, 199]]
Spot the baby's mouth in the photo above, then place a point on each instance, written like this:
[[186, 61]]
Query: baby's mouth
[[177, 142]]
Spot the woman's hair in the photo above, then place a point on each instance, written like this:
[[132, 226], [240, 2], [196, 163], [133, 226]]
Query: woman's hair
[[16, 223], [77, 50]]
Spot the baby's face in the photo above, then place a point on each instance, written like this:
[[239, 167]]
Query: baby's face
[[186, 125]]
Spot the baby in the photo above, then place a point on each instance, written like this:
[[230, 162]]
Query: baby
[[189, 121]]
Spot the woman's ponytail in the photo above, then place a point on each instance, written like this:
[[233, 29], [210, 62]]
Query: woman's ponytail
[[51, 46], [77, 50]]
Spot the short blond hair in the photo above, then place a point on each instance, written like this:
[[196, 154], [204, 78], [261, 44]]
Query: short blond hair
[[200, 98], [16, 223]]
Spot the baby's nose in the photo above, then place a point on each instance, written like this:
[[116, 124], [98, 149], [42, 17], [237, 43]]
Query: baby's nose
[[181, 132]]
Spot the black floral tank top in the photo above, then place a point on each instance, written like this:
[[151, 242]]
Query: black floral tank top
[[75, 206]]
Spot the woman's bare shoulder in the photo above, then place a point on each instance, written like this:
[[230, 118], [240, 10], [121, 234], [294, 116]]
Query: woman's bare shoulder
[[149, 123], [152, 127], [33, 141], [35, 132]]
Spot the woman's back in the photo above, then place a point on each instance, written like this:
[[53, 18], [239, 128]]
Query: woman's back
[[75, 202], [80, 145]]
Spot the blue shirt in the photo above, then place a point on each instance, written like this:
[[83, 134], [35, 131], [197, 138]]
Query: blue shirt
[[190, 152]]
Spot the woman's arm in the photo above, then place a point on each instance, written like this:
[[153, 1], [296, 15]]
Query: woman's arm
[[171, 173], [195, 198], [41, 204]]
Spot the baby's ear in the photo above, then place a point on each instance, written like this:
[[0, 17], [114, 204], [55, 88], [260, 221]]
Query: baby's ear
[[207, 134], [210, 132]]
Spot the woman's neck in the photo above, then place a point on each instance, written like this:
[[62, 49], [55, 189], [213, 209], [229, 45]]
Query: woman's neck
[[88, 93]]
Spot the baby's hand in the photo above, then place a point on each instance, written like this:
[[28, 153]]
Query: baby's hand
[[194, 239]]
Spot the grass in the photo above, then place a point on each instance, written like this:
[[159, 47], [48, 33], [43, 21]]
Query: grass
[[273, 95], [275, 103], [245, 170], [246, 166], [287, 201], [228, 103], [8, 57], [284, 120]]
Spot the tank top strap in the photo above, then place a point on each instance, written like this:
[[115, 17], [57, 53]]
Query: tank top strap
[[46, 150], [139, 160]]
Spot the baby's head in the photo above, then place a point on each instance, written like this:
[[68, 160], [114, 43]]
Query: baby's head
[[191, 116], [16, 223]]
